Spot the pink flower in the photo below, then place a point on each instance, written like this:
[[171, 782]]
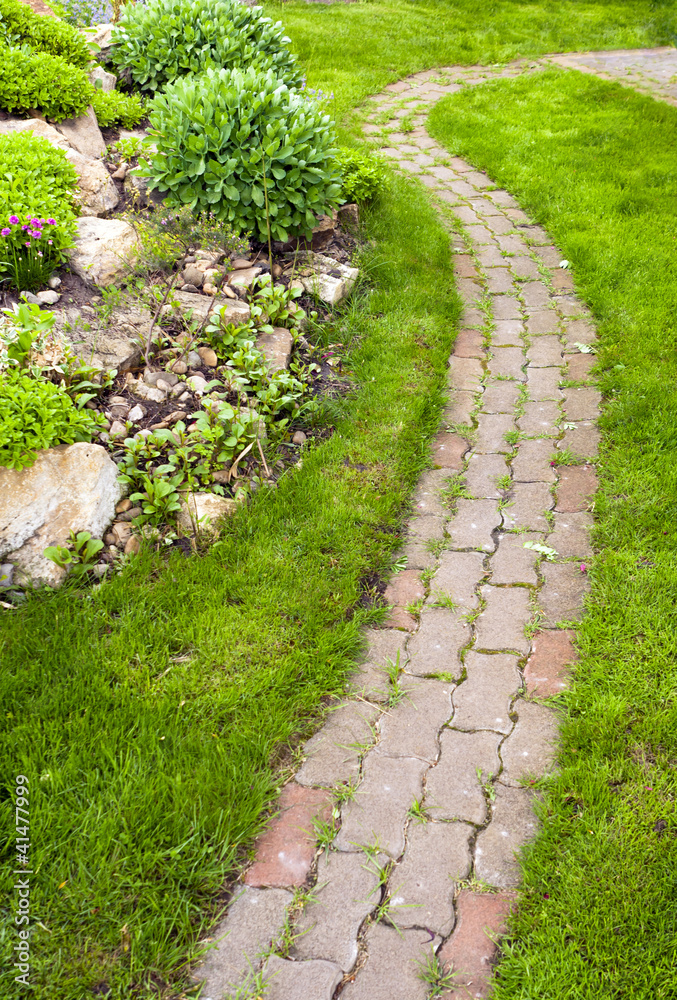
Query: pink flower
[[51, 222], [5, 232], [27, 244], [36, 234], [14, 220], [50, 242], [584, 568]]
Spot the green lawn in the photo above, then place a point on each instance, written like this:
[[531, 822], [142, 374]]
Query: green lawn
[[152, 714], [597, 166]]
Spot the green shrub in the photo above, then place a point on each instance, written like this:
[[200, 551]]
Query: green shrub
[[36, 414], [114, 108], [19, 24], [362, 175], [211, 132], [36, 181], [39, 80], [166, 39]]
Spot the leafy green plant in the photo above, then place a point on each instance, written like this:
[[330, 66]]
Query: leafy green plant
[[166, 39], [19, 24], [18, 332], [36, 183], [362, 175], [36, 414], [166, 236], [79, 557], [432, 971], [113, 108], [30, 80], [129, 147], [159, 498], [212, 133], [270, 304]]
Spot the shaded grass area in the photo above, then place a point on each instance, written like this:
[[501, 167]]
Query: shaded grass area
[[149, 713], [355, 49], [596, 165]]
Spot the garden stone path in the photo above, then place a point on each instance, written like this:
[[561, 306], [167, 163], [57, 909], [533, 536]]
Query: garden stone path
[[419, 784]]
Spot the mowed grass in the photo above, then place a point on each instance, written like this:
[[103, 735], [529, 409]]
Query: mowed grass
[[355, 49], [151, 714], [597, 166]]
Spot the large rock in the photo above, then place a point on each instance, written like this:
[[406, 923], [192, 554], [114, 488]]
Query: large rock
[[276, 347], [98, 76], [232, 310], [96, 191], [103, 248], [83, 133], [203, 511], [117, 345], [328, 279], [69, 488], [99, 38]]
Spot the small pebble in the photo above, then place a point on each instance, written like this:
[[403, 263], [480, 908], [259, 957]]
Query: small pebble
[[180, 367], [277, 271], [209, 357], [132, 546], [175, 416], [299, 438], [159, 427], [129, 515], [193, 359], [189, 288], [209, 289], [123, 505], [136, 414], [239, 264], [162, 385], [121, 172], [54, 281], [31, 299], [146, 432], [48, 298], [228, 292], [117, 429], [100, 570]]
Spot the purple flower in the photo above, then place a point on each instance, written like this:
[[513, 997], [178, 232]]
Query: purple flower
[[14, 220], [50, 222], [5, 232], [24, 228], [27, 244], [36, 234], [50, 242]]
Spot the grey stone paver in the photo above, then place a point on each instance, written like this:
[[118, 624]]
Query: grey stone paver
[[482, 474], [346, 892], [287, 980], [491, 431], [434, 648], [411, 727], [529, 503], [540, 418], [378, 812], [508, 362], [392, 971], [513, 824], [582, 440], [333, 754], [453, 788], [543, 383], [254, 921], [501, 624], [512, 562], [571, 535], [500, 396], [561, 597], [473, 523], [427, 499], [529, 750], [532, 463], [457, 575], [424, 882], [581, 404], [483, 700]]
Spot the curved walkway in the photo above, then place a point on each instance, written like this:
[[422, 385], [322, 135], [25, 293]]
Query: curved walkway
[[412, 800]]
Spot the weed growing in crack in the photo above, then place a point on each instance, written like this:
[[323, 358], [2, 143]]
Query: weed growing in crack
[[504, 482], [432, 971], [512, 437], [534, 625], [566, 456], [442, 600], [417, 812]]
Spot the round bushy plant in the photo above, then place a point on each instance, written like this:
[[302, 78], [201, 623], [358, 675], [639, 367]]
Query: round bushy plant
[[30, 80], [37, 186], [213, 135], [362, 174], [19, 24], [166, 39]]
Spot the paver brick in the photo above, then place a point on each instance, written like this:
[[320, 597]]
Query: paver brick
[[491, 256], [416, 554], [545, 352], [529, 502], [332, 754], [562, 280], [542, 322], [536, 295], [484, 206], [427, 499], [580, 331], [378, 812], [533, 462], [472, 950], [285, 851], [424, 882], [525, 267], [579, 366], [500, 281], [393, 967], [482, 473], [448, 450], [491, 431], [429, 527], [469, 344], [453, 788], [582, 404], [459, 410], [482, 700], [465, 373], [561, 597], [434, 648], [480, 235], [471, 317], [502, 198], [510, 244], [577, 483], [507, 333], [458, 575], [404, 588], [583, 440], [459, 187], [507, 362], [473, 523], [469, 290], [512, 562], [499, 224], [529, 750], [513, 824], [506, 307], [501, 624], [543, 383], [570, 305], [547, 670], [550, 256], [347, 891], [540, 418], [500, 396], [570, 537], [287, 980], [411, 728], [253, 923], [467, 215]]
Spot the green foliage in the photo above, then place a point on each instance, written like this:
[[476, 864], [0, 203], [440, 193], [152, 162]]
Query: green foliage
[[274, 305], [23, 326], [362, 175], [213, 133], [129, 147], [159, 498], [79, 556], [19, 24], [31, 80], [166, 39], [35, 414], [36, 182], [165, 237], [113, 108]]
